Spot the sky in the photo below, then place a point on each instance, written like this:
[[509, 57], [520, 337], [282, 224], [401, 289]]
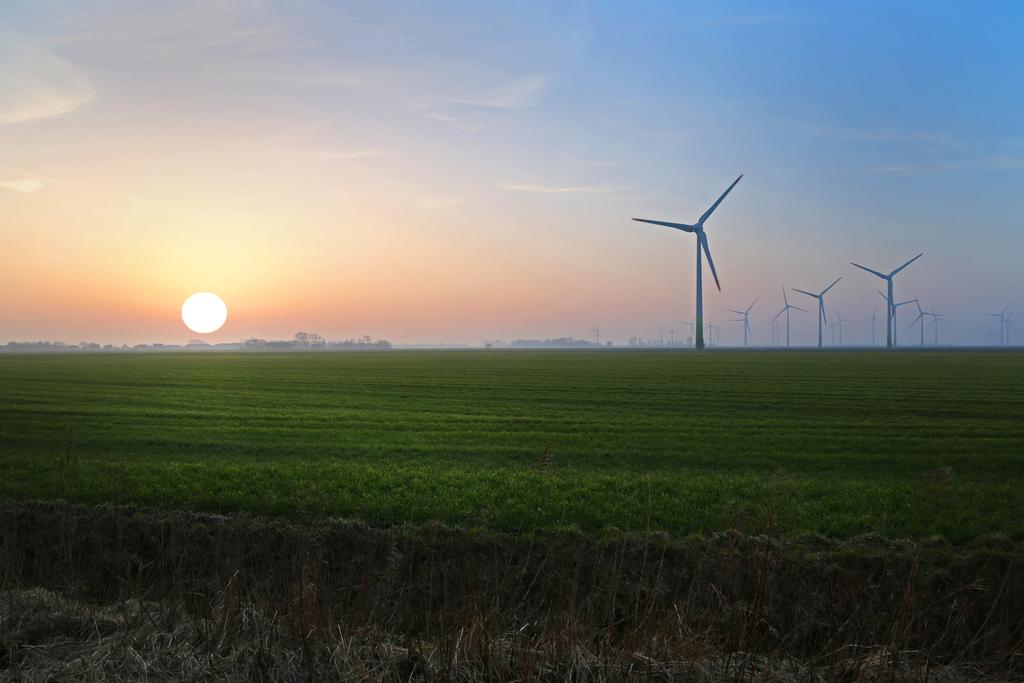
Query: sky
[[459, 172]]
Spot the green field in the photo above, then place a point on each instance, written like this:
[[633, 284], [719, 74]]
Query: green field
[[838, 443]]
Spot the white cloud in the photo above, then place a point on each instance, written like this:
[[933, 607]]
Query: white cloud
[[35, 83], [26, 186], [16, 180]]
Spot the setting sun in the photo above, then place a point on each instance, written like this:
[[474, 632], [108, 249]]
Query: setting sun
[[204, 312]]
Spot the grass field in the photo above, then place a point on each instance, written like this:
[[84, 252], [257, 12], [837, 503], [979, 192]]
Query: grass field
[[903, 444]]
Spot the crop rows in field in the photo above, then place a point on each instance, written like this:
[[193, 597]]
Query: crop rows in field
[[904, 444]]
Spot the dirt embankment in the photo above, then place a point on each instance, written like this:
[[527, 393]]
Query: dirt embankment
[[186, 595]]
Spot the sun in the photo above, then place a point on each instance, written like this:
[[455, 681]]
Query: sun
[[204, 312]]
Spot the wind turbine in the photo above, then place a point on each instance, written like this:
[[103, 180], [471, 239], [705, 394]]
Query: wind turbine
[[921, 313], [936, 319], [745, 320], [785, 309], [1004, 324], [690, 325], [712, 333], [702, 244], [894, 308], [839, 323], [889, 340], [874, 325], [775, 328], [821, 305]]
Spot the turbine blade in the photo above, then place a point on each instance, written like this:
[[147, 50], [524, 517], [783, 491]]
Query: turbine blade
[[805, 292], [707, 251], [824, 315], [707, 214], [752, 305], [919, 316], [733, 310], [873, 272], [906, 264], [678, 226], [831, 286], [784, 299], [797, 308]]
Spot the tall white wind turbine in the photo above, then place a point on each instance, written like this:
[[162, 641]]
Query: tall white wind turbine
[[822, 318], [892, 308], [745, 320], [702, 246]]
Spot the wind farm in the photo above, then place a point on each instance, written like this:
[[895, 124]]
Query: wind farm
[[354, 341]]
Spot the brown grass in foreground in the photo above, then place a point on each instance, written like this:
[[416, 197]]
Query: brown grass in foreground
[[100, 593]]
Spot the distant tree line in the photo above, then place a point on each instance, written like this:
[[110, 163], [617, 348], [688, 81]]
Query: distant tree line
[[301, 341]]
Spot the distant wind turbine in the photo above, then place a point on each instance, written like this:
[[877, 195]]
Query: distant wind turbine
[[822, 318], [745, 319], [702, 245], [936, 319], [921, 315], [874, 326], [891, 313], [787, 307], [690, 325], [712, 333], [839, 323], [895, 308], [1004, 325]]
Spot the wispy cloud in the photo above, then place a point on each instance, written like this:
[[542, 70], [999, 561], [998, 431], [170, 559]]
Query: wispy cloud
[[35, 83], [17, 180], [564, 189], [516, 94], [24, 185]]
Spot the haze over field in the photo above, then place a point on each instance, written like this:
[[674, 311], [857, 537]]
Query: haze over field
[[467, 172]]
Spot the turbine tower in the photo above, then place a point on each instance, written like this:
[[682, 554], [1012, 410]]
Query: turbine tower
[[891, 313], [702, 245], [690, 325], [821, 305], [921, 313], [874, 326], [839, 323], [936, 319], [785, 309], [895, 307], [1004, 325], [745, 319]]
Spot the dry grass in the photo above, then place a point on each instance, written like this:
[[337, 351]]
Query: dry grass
[[137, 594]]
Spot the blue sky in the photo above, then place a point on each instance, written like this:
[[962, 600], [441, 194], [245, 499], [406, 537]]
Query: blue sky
[[467, 171]]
